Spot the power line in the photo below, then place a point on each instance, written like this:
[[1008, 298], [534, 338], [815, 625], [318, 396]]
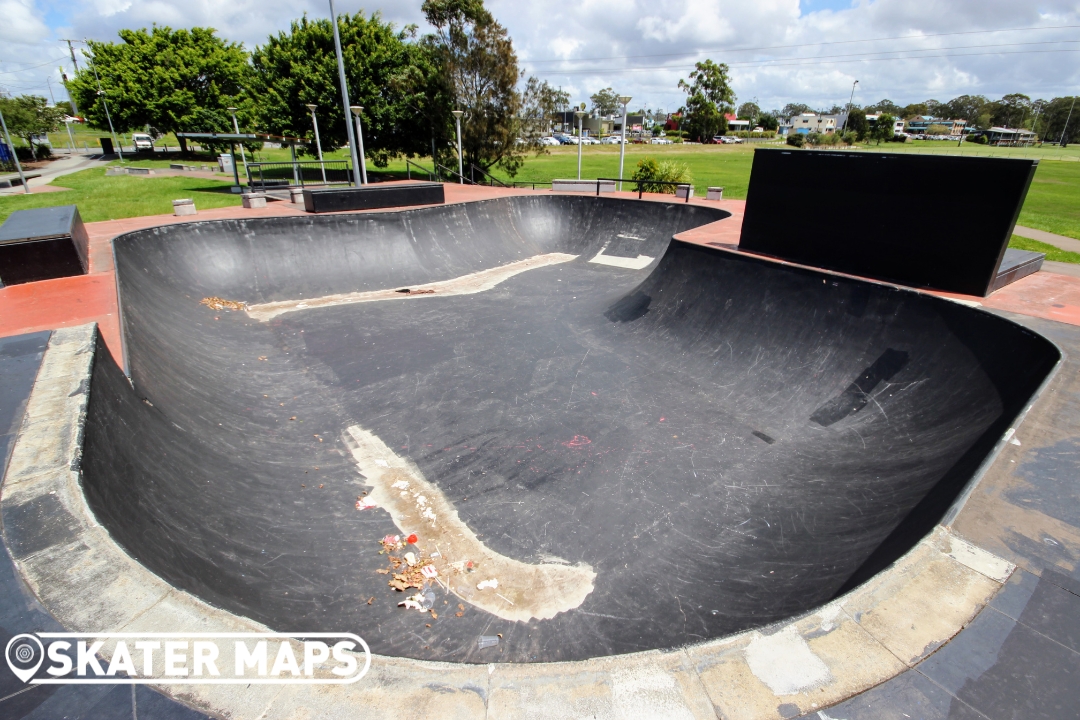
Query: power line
[[32, 67], [803, 45], [802, 61]]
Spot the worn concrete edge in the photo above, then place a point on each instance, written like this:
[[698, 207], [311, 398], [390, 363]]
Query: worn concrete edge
[[702, 680]]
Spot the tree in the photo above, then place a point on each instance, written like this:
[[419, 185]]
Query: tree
[[888, 106], [857, 123], [793, 110], [768, 121], [749, 111], [938, 129], [605, 102], [539, 103], [387, 75], [914, 109], [965, 107], [1010, 110], [883, 128], [1055, 115], [29, 115], [478, 68], [709, 97], [180, 80]]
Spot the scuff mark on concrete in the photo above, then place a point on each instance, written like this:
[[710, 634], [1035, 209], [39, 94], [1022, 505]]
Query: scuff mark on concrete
[[470, 284], [416, 505]]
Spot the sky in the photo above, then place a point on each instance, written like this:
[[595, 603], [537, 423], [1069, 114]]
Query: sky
[[779, 51]]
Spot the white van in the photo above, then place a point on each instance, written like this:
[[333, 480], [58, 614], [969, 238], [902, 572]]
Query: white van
[[142, 141]]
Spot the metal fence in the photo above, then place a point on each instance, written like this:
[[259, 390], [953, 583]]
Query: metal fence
[[299, 174]]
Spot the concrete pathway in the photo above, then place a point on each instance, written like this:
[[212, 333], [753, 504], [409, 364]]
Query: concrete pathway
[[57, 168], [1058, 241]]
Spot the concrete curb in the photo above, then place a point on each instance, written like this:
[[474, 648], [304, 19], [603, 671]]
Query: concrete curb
[[90, 584]]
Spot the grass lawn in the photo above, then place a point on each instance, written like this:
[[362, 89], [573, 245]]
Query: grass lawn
[[111, 198], [1055, 254]]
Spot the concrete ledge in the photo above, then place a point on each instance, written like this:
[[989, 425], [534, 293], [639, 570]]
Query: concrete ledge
[[606, 186], [91, 585]]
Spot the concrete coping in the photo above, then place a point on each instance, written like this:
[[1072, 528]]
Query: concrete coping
[[183, 201], [90, 584], [582, 185]]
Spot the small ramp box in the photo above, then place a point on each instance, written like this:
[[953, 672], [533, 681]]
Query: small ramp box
[[368, 197], [42, 244]]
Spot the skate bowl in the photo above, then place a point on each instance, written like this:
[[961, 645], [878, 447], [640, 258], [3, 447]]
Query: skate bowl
[[646, 443]]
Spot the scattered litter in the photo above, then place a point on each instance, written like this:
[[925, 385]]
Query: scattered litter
[[506, 598], [469, 567], [216, 303], [391, 540], [262, 357], [486, 641], [364, 503], [459, 566], [412, 539], [410, 558], [371, 600], [293, 417], [436, 554], [409, 291], [413, 602], [400, 484], [429, 571], [485, 584]]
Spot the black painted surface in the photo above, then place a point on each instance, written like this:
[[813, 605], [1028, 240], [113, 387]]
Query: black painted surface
[[43, 243], [368, 197], [887, 228], [20, 357], [705, 497]]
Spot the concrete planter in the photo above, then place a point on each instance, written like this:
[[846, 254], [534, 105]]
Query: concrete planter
[[681, 191], [714, 193], [253, 200], [183, 206]]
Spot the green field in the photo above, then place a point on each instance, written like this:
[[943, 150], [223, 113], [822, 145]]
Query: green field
[[1052, 253], [111, 198], [1053, 202]]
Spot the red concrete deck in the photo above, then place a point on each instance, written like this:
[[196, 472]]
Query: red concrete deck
[[92, 298]]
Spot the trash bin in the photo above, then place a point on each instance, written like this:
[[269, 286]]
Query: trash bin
[[107, 146]]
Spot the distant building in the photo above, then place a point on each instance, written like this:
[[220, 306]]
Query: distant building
[[735, 124], [809, 122], [920, 124], [1007, 136]]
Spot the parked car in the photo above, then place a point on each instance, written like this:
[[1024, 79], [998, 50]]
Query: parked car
[[142, 142], [727, 139], [613, 140], [549, 140], [661, 141], [587, 140]]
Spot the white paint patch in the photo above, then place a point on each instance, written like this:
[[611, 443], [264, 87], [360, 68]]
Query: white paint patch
[[647, 692], [828, 615], [629, 237], [639, 263], [470, 284], [969, 303], [785, 663], [979, 560]]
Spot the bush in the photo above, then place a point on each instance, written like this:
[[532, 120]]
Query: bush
[[977, 139], [44, 152], [849, 137], [751, 134], [666, 171], [898, 138], [796, 140]]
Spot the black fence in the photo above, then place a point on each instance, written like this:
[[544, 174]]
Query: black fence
[[299, 174]]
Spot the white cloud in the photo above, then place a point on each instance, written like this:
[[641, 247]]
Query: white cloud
[[643, 47]]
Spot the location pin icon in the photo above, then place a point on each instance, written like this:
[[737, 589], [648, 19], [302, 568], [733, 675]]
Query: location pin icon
[[24, 654]]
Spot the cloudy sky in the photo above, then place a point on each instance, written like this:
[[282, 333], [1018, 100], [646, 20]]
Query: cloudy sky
[[779, 50]]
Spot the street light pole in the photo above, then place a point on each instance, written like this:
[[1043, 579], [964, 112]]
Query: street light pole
[[625, 100], [460, 165], [318, 143], [848, 115], [356, 110], [344, 95], [236, 129], [580, 114], [18, 165]]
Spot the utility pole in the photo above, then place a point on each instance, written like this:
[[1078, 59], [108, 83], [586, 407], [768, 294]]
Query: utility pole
[[1067, 119], [356, 160], [71, 49], [101, 94], [49, 83], [847, 116], [71, 98]]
